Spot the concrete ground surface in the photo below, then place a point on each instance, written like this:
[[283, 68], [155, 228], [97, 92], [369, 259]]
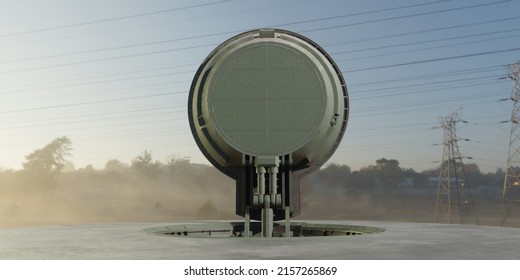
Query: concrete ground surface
[[123, 241]]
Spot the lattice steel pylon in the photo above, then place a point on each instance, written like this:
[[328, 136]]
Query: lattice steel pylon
[[453, 192], [511, 191]]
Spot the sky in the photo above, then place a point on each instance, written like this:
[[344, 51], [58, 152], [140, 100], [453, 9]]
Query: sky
[[113, 76]]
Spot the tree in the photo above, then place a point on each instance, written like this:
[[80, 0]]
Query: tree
[[116, 166], [473, 175], [45, 165], [335, 175], [420, 180], [143, 163], [389, 173], [362, 181]]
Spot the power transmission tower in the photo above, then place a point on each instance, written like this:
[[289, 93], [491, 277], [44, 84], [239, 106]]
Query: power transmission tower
[[511, 192], [453, 192]]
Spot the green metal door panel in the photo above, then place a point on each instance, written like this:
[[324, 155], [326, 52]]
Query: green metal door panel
[[284, 140], [308, 84], [281, 57], [267, 87], [300, 133], [281, 83], [309, 113], [254, 57], [227, 87], [252, 84], [281, 115], [227, 113], [277, 92], [255, 141], [252, 115]]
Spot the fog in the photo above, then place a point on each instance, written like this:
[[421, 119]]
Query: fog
[[92, 196], [182, 191]]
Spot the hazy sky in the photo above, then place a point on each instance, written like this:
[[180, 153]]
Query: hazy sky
[[114, 76]]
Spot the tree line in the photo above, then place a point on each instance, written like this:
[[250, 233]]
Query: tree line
[[147, 189], [44, 166]]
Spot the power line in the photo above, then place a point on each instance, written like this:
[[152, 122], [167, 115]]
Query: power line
[[90, 102], [102, 118], [105, 75], [406, 16], [427, 41], [206, 35], [190, 19], [209, 45], [429, 48], [430, 83], [424, 31], [433, 75], [107, 58], [393, 110], [422, 91], [380, 109], [432, 60], [100, 82], [427, 84], [362, 13], [112, 19]]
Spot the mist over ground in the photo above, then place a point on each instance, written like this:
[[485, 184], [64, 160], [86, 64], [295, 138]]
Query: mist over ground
[[179, 191], [168, 193]]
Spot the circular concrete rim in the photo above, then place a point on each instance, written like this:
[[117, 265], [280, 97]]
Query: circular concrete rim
[[235, 229], [129, 241]]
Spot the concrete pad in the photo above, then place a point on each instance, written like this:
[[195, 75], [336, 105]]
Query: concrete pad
[[131, 241]]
